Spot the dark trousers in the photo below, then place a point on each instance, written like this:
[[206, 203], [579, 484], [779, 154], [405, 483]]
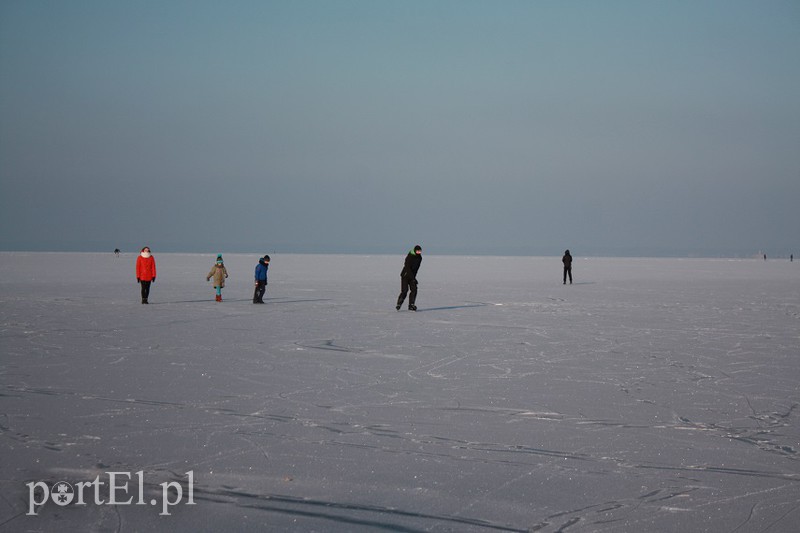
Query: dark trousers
[[568, 270], [258, 294], [145, 290], [405, 285]]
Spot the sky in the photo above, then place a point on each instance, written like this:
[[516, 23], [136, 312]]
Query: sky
[[362, 126]]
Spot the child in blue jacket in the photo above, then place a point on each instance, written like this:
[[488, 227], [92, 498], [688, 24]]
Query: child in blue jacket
[[261, 280]]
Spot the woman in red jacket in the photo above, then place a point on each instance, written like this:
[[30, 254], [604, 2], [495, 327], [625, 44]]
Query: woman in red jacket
[[145, 272]]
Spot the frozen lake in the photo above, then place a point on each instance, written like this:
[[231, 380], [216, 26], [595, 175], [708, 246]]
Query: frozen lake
[[651, 395]]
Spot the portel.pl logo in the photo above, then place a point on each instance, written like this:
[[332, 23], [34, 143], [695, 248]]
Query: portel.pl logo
[[113, 492]]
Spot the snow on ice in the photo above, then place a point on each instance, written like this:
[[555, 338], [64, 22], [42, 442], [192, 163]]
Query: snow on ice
[[650, 395]]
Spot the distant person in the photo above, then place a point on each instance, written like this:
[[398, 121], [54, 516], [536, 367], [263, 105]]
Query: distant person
[[408, 278], [116, 252], [219, 273], [261, 280], [765, 257], [145, 272], [791, 258], [567, 260]]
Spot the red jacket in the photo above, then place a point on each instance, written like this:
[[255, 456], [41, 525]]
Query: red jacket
[[145, 268]]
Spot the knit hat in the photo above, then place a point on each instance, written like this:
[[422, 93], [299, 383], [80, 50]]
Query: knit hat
[[266, 258], [219, 258]]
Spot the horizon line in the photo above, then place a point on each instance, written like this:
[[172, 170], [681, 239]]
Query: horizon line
[[758, 256]]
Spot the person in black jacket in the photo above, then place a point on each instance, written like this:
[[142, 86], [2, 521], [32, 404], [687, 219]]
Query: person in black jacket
[[567, 260], [408, 278]]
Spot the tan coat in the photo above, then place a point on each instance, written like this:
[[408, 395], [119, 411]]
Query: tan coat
[[219, 274]]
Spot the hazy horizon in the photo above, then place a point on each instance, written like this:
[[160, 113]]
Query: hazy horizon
[[497, 128], [277, 252]]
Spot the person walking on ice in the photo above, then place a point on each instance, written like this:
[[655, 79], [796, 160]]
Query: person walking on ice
[[408, 278], [261, 280], [145, 272], [219, 273], [567, 260]]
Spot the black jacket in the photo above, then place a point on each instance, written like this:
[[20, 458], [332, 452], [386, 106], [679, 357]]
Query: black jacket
[[411, 266]]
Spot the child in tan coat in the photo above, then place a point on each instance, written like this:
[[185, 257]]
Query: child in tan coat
[[219, 274]]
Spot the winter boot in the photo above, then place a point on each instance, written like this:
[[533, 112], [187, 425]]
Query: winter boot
[[219, 297], [412, 307]]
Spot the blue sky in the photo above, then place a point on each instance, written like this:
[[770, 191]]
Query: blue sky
[[486, 127]]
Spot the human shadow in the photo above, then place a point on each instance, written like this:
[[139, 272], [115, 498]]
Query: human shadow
[[229, 300], [451, 307], [300, 301], [183, 302]]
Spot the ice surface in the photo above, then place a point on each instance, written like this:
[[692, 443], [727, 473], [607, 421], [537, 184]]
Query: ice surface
[[651, 395]]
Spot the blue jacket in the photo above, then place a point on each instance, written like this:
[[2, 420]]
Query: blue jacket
[[261, 270]]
